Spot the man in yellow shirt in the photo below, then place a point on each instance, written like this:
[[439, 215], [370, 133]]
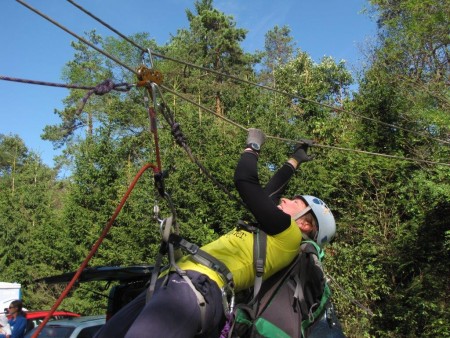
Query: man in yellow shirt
[[173, 310]]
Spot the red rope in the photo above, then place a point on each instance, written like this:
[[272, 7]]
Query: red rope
[[94, 248]]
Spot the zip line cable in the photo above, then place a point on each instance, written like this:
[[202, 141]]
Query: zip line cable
[[77, 36], [125, 87], [191, 156], [209, 110], [205, 69], [314, 144], [107, 26], [341, 110]]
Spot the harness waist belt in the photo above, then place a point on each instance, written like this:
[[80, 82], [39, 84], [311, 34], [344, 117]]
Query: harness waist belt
[[202, 257]]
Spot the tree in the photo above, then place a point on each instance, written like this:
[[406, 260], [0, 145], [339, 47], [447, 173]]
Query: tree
[[212, 42], [412, 59], [12, 154], [279, 50], [404, 87], [35, 242]]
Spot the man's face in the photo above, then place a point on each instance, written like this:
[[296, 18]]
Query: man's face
[[292, 207]]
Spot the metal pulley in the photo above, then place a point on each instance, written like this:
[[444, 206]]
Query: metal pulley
[[147, 75]]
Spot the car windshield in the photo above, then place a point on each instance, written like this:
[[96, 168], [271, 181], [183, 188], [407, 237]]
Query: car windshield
[[56, 332]]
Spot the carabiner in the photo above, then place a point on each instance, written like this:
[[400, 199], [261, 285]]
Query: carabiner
[[154, 88], [150, 57]]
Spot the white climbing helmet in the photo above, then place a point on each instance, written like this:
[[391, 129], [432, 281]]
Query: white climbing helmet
[[324, 217]]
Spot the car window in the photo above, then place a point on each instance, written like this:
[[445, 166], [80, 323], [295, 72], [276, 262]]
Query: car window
[[89, 332], [56, 332], [32, 323]]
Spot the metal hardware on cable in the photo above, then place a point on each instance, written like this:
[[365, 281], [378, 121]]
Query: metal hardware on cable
[[145, 74], [146, 80], [152, 110], [150, 57]]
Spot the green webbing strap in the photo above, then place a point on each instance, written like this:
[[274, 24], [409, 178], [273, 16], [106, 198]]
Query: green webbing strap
[[320, 253], [325, 296], [326, 291]]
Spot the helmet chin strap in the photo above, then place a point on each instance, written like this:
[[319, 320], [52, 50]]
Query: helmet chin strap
[[302, 213]]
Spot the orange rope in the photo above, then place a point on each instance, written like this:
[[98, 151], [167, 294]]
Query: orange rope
[[94, 248]]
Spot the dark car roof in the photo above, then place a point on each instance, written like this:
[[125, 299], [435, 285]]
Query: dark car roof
[[103, 273]]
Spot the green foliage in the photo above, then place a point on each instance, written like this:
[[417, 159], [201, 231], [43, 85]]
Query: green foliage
[[392, 245], [34, 242]]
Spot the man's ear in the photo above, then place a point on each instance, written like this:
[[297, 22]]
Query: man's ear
[[304, 226]]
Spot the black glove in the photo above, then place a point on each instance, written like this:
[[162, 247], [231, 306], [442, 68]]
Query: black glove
[[255, 139], [300, 153]]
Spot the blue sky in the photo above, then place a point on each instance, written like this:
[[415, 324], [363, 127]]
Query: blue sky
[[33, 48]]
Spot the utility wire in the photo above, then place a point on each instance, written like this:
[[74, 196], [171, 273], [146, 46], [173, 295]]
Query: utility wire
[[209, 110], [341, 110]]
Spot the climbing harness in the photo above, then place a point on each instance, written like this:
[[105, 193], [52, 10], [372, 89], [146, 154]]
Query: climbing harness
[[170, 244]]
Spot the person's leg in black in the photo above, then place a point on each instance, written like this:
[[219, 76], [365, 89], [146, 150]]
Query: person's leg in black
[[171, 312], [118, 325], [215, 317]]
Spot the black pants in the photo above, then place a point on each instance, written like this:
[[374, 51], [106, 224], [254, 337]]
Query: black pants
[[171, 312]]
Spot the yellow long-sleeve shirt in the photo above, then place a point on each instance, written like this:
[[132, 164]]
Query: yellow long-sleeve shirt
[[235, 250]]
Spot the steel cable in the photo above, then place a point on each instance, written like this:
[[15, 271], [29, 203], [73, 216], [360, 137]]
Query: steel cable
[[233, 77]]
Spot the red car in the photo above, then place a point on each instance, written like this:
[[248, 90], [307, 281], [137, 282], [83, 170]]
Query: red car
[[34, 318]]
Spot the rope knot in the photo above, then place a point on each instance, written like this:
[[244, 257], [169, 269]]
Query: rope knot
[[104, 87], [177, 134], [101, 89]]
